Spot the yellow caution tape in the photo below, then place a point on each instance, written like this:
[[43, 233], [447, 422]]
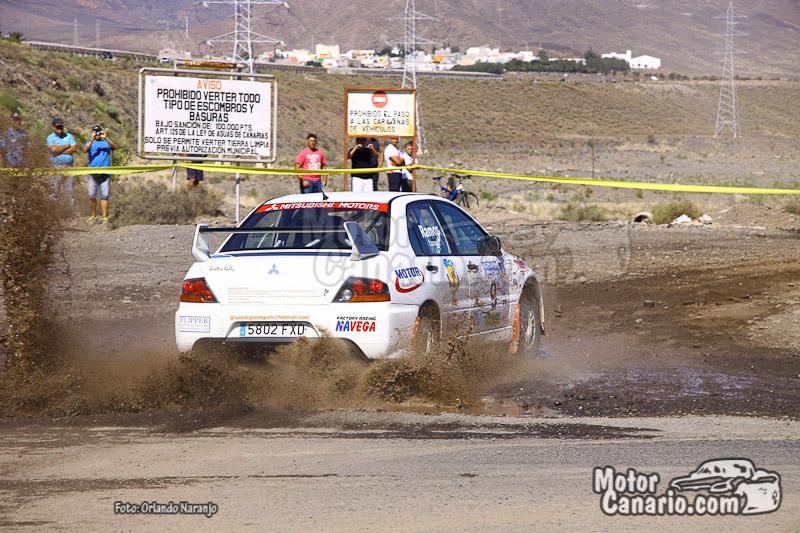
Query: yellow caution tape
[[212, 167]]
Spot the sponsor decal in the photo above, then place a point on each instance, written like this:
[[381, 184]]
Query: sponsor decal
[[268, 317], [722, 487], [365, 206], [226, 268], [195, 324], [408, 279], [452, 277], [273, 270], [362, 324], [522, 264], [492, 319], [493, 268]]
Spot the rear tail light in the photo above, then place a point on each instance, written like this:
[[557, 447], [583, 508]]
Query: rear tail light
[[196, 290], [363, 290]]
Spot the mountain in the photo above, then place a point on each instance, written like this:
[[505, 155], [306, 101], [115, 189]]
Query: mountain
[[684, 33]]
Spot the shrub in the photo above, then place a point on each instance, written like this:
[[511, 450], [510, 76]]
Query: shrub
[[155, 204], [9, 101], [578, 213], [793, 207], [664, 214]]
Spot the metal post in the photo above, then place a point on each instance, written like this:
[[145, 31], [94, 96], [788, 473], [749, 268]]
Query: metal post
[[237, 197], [174, 178]]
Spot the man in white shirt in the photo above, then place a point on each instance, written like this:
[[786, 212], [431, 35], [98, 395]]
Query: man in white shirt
[[393, 158], [408, 159]]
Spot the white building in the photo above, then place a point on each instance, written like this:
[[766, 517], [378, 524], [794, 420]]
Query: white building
[[640, 62]]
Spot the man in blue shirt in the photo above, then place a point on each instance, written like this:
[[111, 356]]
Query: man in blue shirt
[[61, 145], [14, 143], [99, 149]]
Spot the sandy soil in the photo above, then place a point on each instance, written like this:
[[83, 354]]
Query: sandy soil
[[641, 319]]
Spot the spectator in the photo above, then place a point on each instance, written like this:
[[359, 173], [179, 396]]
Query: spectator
[[61, 145], [392, 158], [362, 156], [194, 177], [408, 159], [99, 149], [311, 158], [376, 160], [14, 143]]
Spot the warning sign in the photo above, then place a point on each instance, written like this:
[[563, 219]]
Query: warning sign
[[380, 112], [207, 116]]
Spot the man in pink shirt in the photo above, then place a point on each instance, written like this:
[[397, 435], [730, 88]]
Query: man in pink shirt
[[311, 158]]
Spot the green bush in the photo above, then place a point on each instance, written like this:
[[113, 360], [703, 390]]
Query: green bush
[[664, 214], [155, 204], [792, 207], [9, 101], [578, 213]]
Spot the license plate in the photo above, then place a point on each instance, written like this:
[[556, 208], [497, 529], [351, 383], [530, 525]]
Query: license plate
[[272, 329]]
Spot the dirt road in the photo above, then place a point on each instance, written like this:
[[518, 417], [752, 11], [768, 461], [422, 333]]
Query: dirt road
[[641, 321]]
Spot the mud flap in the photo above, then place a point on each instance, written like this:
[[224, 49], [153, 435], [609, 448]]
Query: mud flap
[[515, 331], [414, 332]]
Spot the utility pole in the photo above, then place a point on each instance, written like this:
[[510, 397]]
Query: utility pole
[[727, 114], [187, 27], [243, 37], [97, 34], [410, 41], [75, 31]]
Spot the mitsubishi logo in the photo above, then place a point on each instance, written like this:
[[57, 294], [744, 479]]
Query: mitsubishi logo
[[273, 270]]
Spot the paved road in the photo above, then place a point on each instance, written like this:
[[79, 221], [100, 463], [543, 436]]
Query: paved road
[[374, 471]]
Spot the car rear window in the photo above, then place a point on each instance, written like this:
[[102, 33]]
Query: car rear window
[[321, 219]]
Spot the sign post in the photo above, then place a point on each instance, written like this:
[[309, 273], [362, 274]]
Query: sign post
[[381, 113]]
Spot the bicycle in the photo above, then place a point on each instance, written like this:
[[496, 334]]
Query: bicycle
[[456, 193]]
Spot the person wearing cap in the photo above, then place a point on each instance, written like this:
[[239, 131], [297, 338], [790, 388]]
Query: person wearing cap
[[14, 143], [61, 145], [99, 148]]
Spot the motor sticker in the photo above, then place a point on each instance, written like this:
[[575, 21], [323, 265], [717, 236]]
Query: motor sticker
[[408, 279], [365, 206], [195, 324]]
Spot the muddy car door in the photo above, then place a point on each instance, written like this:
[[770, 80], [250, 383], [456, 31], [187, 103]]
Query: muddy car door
[[486, 274], [446, 271]]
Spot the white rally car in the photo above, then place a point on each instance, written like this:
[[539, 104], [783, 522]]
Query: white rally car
[[388, 272]]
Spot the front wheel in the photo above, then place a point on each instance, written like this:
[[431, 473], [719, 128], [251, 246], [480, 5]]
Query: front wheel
[[467, 200], [530, 326]]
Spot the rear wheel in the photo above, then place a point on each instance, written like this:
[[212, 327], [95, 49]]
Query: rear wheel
[[530, 325], [428, 332], [467, 200]]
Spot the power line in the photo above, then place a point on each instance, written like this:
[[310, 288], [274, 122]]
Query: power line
[[243, 37], [727, 114], [410, 41]]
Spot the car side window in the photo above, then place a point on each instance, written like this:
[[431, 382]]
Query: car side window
[[463, 231], [424, 230]]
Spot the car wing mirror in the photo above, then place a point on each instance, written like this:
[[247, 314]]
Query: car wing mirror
[[201, 245], [489, 246], [362, 245]]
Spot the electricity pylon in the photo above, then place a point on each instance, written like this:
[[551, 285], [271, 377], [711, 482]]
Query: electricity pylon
[[243, 37], [410, 41], [727, 114]]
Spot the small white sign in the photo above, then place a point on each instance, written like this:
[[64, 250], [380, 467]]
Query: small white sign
[[207, 116], [195, 324]]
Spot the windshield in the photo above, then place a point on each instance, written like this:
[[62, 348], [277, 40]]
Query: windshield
[[320, 222]]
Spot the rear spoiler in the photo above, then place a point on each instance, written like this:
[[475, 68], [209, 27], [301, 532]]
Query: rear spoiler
[[362, 246]]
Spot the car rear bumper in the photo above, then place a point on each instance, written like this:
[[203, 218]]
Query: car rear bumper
[[378, 329]]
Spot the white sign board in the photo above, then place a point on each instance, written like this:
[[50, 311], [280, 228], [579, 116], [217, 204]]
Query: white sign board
[[207, 116], [380, 113]]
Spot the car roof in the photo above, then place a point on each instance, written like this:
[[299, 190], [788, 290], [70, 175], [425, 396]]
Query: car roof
[[348, 196]]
